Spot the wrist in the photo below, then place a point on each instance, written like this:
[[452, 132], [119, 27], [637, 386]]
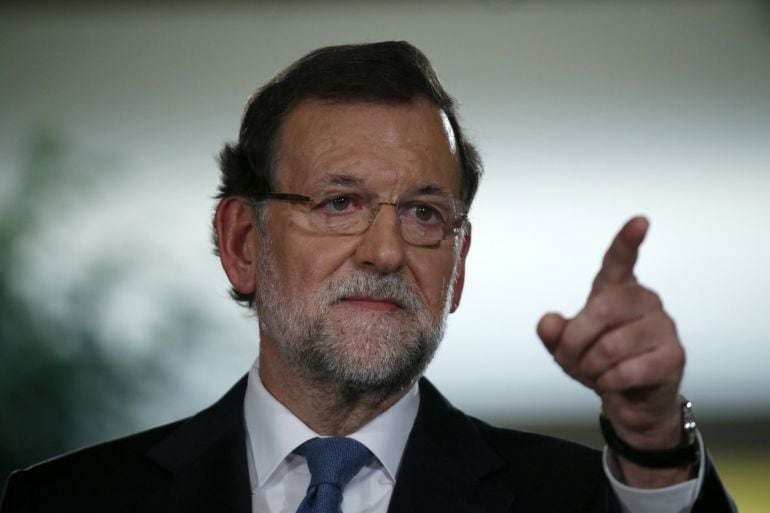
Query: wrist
[[673, 446]]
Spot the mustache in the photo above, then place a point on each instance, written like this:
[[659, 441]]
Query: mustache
[[388, 287]]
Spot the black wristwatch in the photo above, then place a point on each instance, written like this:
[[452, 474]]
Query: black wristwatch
[[683, 454]]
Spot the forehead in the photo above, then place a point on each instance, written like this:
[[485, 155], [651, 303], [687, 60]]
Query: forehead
[[391, 148]]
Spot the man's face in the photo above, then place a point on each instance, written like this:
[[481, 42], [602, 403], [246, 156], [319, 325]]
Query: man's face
[[365, 310]]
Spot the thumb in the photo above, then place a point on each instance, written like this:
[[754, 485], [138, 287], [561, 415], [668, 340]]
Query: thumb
[[550, 328]]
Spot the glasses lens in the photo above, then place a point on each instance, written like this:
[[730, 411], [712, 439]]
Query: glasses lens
[[342, 214], [423, 221], [426, 222]]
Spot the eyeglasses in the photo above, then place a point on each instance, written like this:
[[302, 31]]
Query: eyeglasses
[[424, 221]]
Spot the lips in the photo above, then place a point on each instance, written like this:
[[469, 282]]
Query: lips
[[373, 303]]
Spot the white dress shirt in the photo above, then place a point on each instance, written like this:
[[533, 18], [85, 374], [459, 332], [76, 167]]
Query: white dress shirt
[[678, 498], [279, 478]]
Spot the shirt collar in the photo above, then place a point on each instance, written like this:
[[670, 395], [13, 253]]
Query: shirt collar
[[274, 431]]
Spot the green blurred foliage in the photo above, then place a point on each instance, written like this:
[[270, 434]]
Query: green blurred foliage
[[61, 386]]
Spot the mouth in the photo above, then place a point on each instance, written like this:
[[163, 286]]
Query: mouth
[[372, 303]]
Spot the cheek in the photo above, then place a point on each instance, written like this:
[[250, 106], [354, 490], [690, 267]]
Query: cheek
[[432, 275], [308, 262]]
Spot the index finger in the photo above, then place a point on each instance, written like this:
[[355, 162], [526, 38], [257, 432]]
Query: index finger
[[618, 263]]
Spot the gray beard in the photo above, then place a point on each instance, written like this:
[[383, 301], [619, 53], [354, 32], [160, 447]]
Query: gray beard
[[374, 353]]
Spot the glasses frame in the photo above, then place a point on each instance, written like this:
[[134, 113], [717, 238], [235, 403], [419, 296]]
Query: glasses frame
[[454, 230]]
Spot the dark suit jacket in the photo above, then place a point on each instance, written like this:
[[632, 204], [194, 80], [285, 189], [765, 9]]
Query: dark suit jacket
[[452, 463]]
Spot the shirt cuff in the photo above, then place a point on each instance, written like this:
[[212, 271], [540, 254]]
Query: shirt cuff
[[678, 498]]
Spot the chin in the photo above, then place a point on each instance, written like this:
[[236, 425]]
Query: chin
[[381, 358]]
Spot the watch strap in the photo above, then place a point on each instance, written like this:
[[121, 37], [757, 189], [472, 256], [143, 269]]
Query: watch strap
[[682, 454]]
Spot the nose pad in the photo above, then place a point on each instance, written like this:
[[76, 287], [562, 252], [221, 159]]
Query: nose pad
[[376, 210]]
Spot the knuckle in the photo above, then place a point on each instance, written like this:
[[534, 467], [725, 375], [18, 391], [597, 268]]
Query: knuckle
[[671, 324], [599, 307], [667, 324], [570, 345], [655, 374], [628, 374], [678, 356], [610, 347], [589, 367], [606, 383], [645, 296], [652, 299], [662, 328]]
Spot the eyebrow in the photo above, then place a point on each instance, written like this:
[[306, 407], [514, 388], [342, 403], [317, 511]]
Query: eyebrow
[[345, 180], [430, 189], [425, 189]]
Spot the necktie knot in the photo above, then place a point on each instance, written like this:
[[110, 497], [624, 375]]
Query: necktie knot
[[333, 462]]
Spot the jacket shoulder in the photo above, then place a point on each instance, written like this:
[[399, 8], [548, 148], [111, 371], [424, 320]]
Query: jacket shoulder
[[141, 467], [87, 475]]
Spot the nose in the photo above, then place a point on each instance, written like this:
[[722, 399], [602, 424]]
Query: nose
[[381, 248]]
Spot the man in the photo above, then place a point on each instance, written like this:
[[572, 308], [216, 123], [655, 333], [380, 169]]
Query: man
[[343, 221]]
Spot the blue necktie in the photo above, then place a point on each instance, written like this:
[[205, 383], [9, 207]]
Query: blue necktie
[[333, 462]]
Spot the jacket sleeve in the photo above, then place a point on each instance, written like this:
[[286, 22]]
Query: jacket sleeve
[[713, 498]]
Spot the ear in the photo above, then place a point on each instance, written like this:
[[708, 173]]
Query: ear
[[460, 278], [238, 243]]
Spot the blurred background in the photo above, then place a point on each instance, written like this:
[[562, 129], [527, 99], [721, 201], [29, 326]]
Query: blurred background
[[114, 314]]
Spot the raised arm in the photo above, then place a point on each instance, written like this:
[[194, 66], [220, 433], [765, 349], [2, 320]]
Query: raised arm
[[625, 347]]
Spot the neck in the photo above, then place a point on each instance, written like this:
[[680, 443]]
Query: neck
[[328, 408]]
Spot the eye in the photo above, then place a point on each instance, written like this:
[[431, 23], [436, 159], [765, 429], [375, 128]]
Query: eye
[[337, 204], [425, 213]]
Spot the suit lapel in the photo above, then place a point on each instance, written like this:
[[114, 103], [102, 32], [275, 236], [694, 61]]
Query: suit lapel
[[446, 465], [204, 461]]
